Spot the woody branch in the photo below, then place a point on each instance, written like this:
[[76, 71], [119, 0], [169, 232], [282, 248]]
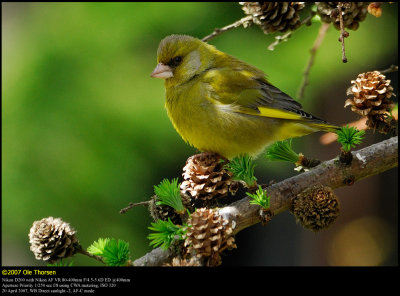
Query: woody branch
[[367, 162]]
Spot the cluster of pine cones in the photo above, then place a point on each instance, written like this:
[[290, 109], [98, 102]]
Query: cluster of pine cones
[[206, 182], [281, 17]]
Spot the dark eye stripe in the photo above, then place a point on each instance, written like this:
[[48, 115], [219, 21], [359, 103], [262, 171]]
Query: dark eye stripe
[[174, 62]]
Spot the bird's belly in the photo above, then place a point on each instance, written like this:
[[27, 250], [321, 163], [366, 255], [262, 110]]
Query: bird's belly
[[220, 130]]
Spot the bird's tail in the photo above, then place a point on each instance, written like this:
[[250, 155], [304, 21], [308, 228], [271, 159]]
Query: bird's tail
[[324, 126]]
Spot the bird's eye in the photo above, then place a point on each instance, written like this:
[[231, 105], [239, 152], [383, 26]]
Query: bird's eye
[[175, 61]]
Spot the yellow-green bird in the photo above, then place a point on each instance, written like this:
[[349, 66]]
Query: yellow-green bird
[[220, 104]]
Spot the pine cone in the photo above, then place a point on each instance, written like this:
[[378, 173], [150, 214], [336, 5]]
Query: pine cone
[[205, 177], [52, 239], [184, 262], [375, 9], [163, 212], [371, 94], [316, 207], [274, 16], [208, 235], [353, 13]]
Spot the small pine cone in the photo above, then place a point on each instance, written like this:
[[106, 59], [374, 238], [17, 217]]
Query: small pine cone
[[208, 235], [384, 123], [184, 262], [205, 177], [353, 13], [371, 93], [274, 16], [52, 239], [163, 212], [375, 9], [316, 208], [187, 201]]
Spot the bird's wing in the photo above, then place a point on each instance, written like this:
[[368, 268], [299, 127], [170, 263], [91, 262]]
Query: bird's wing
[[251, 94]]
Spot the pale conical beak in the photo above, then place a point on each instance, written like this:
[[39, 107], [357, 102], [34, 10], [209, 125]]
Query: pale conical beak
[[162, 71]]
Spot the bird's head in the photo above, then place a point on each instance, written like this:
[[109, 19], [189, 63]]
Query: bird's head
[[181, 57]]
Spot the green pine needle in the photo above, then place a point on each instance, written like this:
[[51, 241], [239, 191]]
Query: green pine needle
[[168, 193], [349, 137], [97, 247], [242, 168], [61, 264], [260, 198], [116, 253], [282, 151], [166, 232]]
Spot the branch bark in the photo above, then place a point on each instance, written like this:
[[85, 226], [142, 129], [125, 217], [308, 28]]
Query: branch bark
[[367, 162]]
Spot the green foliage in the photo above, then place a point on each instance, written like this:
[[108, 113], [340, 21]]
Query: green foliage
[[114, 253], [349, 137], [98, 246], [282, 151], [61, 264], [260, 198], [168, 193], [242, 168], [166, 232]]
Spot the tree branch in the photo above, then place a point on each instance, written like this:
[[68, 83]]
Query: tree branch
[[367, 162], [156, 257]]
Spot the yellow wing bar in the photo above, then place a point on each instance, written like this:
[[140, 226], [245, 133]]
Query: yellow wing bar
[[276, 113]]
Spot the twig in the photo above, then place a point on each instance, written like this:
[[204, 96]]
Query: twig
[[86, 253], [343, 33], [280, 38], [370, 161], [391, 69], [320, 37], [131, 205], [227, 28]]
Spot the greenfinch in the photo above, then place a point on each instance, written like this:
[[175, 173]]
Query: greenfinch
[[220, 104]]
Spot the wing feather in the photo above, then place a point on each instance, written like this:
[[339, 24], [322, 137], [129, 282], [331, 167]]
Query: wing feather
[[252, 94]]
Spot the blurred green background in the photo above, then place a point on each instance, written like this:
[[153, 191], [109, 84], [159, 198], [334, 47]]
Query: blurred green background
[[85, 131]]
